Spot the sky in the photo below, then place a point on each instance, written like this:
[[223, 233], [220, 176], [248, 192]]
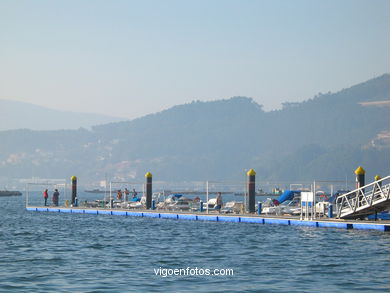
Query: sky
[[131, 58]]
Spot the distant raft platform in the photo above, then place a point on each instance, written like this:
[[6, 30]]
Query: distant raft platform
[[383, 226]]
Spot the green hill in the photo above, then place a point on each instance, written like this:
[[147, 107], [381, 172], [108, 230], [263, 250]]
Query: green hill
[[325, 137]]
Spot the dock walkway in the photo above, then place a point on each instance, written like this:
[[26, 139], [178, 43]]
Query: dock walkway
[[216, 217]]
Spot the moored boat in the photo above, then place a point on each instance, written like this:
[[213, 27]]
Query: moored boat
[[95, 191], [9, 193]]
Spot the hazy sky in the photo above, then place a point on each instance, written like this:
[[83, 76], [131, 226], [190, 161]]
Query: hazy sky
[[130, 58]]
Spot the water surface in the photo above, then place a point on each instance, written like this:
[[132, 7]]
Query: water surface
[[46, 252]]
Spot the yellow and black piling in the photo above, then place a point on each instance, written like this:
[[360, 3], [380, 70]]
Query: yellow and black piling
[[251, 200], [377, 177], [74, 190], [148, 177], [360, 174]]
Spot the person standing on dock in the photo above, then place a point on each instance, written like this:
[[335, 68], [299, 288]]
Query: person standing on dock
[[119, 195], [219, 202], [45, 196], [127, 192], [56, 196], [134, 193]]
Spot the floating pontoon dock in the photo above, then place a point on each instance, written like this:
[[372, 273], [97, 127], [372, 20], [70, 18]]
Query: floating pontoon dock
[[359, 203], [240, 218]]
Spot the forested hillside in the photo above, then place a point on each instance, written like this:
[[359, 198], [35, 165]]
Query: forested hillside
[[325, 137]]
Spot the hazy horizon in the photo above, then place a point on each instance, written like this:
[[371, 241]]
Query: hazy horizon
[[170, 106]]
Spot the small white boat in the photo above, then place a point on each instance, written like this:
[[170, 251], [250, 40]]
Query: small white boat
[[180, 204], [210, 204], [160, 196], [135, 205], [292, 207], [232, 207], [268, 207], [175, 203]]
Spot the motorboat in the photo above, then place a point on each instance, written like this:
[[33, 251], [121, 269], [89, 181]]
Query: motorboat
[[232, 207], [176, 202], [292, 207], [96, 190], [135, 205], [269, 207], [180, 204], [210, 204]]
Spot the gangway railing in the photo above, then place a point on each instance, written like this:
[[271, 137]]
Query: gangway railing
[[364, 201]]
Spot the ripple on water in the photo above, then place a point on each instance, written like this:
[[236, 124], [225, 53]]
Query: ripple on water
[[46, 252]]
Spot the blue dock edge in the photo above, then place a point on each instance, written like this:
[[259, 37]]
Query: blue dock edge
[[220, 218]]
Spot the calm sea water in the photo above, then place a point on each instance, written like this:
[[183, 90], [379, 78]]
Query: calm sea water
[[51, 252]]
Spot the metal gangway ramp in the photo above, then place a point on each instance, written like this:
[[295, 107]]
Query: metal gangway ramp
[[364, 201]]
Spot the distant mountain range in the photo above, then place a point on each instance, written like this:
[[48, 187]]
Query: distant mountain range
[[20, 115], [325, 137]]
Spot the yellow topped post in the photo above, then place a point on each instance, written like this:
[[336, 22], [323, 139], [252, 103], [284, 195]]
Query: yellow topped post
[[74, 190], [360, 177], [251, 172], [377, 178], [251, 201], [148, 177], [360, 171]]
